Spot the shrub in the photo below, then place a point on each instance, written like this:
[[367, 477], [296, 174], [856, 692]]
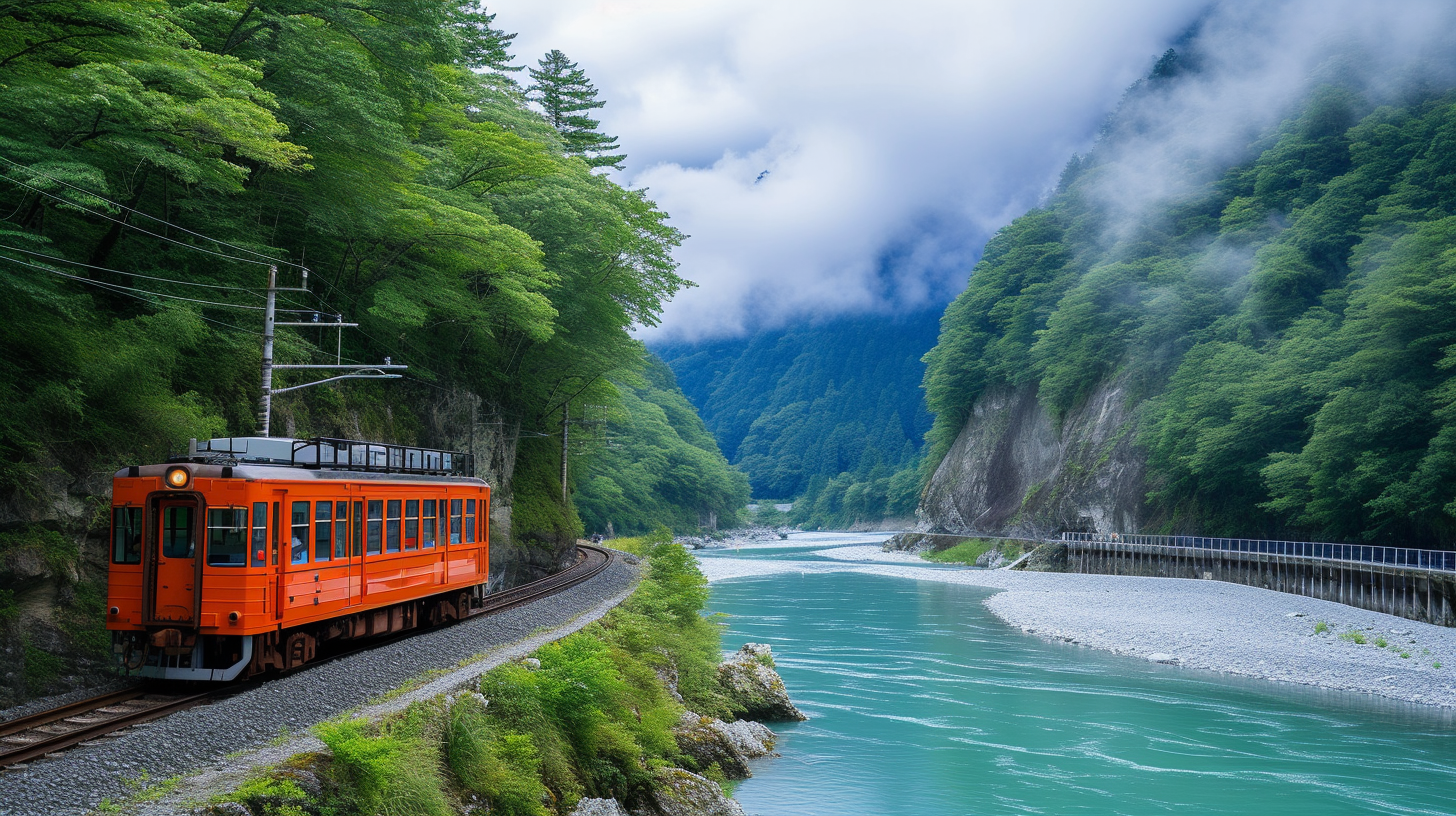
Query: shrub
[[503, 767], [384, 774]]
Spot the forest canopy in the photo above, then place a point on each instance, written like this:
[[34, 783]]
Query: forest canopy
[[1287, 325], [156, 157]]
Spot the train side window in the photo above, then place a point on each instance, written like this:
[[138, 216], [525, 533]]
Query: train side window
[[298, 546], [454, 521], [227, 537], [412, 524], [277, 526], [427, 525], [341, 529], [126, 535], [391, 526], [374, 530], [260, 533], [323, 530], [178, 532], [470, 521]]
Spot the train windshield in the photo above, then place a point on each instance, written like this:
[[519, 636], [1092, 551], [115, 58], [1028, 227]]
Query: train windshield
[[227, 537], [126, 535]]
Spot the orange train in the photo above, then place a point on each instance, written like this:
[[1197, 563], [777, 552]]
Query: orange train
[[248, 553]]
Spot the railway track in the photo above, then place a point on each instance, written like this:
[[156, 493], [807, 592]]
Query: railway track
[[50, 732]]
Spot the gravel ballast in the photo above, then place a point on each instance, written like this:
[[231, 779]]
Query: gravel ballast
[[209, 738], [1210, 625]]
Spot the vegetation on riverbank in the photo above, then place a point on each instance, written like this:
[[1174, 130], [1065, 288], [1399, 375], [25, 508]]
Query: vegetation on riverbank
[[972, 552], [593, 719]]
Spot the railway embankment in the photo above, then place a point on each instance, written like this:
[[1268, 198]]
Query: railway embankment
[[606, 700], [274, 718]]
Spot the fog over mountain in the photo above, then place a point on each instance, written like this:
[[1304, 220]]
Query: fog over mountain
[[846, 157]]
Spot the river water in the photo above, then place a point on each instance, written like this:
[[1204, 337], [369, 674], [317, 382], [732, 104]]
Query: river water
[[921, 702]]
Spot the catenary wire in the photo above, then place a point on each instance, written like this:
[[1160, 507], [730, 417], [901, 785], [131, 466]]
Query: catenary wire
[[129, 225], [116, 287], [58, 259], [268, 259]]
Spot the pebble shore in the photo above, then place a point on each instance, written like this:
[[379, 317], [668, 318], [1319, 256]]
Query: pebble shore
[[1208, 625], [273, 717]]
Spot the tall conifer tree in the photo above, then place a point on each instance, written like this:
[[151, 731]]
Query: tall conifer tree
[[565, 95]]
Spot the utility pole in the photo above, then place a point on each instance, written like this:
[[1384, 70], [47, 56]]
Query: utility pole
[[362, 372], [565, 431], [265, 401]]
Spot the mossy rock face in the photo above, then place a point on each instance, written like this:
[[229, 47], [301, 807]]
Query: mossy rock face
[[704, 743], [1049, 557], [683, 793], [755, 688]]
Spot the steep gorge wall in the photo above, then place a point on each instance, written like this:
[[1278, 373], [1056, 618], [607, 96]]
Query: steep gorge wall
[[1015, 470]]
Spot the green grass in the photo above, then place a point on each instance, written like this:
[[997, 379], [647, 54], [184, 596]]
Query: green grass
[[1320, 627], [970, 550], [1381, 642], [1353, 636]]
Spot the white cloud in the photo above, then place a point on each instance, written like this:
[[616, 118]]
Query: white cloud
[[896, 137]]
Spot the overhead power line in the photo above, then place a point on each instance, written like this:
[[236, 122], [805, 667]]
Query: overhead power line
[[266, 258], [58, 259], [116, 287]]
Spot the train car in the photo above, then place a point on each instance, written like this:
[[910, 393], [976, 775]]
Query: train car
[[246, 554]]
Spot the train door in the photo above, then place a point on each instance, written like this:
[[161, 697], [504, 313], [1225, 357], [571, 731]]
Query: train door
[[174, 599], [356, 553]]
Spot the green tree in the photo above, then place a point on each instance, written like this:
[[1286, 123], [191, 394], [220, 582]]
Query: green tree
[[566, 95]]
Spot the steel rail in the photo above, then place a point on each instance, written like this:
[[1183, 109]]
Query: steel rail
[[26, 723], [50, 744], [590, 562]]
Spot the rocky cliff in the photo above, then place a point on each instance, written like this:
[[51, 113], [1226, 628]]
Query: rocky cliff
[[1014, 469]]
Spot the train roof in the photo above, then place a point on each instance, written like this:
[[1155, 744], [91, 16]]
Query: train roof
[[295, 474], [265, 457]]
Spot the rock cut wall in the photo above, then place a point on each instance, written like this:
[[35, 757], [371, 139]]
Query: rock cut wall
[[1015, 470]]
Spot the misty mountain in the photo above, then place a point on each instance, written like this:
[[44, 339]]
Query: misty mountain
[[812, 400], [1257, 339]]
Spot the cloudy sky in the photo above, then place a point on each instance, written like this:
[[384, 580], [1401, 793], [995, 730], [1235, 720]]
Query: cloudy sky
[[833, 156]]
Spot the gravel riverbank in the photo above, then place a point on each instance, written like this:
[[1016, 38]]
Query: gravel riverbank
[[1208, 625], [211, 736]]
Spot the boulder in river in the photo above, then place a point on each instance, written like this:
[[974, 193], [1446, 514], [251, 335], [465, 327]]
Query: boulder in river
[[683, 793], [709, 741], [754, 687]]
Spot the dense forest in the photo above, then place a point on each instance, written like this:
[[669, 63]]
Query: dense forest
[[1286, 324], [828, 413], [157, 157], [655, 463]]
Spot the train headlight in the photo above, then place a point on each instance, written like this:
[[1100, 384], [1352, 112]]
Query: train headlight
[[178, 478]]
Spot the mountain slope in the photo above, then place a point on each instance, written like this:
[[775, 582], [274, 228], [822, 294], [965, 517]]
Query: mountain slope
[[1267, 352], [812, 401]]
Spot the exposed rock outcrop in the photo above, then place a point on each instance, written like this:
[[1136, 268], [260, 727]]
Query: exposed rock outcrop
[[599, 807], [684, 793], [709, 741], [1014, 470], [754, 687]]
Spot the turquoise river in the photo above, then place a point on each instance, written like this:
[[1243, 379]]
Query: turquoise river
[[924, 704]]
